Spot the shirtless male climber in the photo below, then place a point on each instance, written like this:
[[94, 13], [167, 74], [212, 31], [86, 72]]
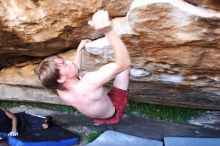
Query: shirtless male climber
[[87, 94]]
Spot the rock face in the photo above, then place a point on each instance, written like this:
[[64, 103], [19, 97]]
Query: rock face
[[42, 28], [211, 4], [171, 43]]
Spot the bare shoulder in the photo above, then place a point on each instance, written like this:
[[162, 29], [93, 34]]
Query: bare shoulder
[[88, 76]]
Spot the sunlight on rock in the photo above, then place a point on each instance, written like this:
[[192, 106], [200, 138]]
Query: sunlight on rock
[[98, 46], [171, 78], [139, 72]]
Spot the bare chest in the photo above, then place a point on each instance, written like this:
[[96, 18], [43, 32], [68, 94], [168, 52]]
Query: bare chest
[[94, 104]]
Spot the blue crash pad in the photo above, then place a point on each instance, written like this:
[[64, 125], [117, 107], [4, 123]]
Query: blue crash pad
[[113, 138], [53, 136], [184, 141], [13, 141], [3, 135]]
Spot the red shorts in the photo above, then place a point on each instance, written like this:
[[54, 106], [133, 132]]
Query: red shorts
[[119, 99]]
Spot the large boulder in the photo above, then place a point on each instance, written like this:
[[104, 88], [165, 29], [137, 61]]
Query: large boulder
[[42, 28], [211, 4], [174, 47]]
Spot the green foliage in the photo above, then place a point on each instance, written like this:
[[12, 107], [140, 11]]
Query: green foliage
[[9, 104], [60, 108], [174, 114], [92, 136]]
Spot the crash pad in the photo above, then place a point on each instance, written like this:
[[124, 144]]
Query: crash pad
[[114, 138], [53, 136], [185, 141]]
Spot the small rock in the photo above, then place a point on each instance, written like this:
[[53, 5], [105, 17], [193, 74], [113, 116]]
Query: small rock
[[139, 72]]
